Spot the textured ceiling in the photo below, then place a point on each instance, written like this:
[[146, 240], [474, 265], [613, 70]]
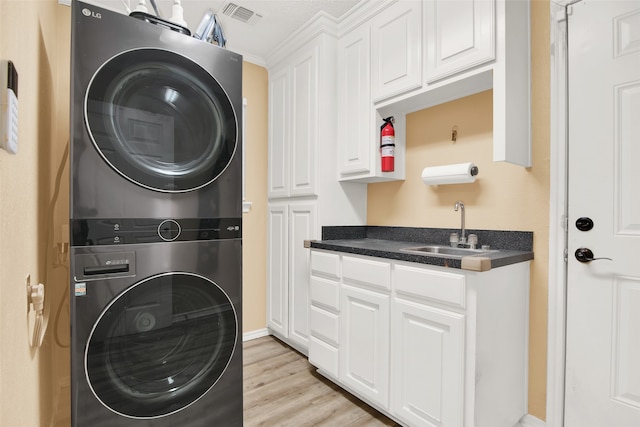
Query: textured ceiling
[[257, 41]]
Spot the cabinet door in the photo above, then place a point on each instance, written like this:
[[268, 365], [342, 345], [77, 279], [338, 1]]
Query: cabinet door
[[355, 110], [396, 49], [304, 121], [364, 343], [278, 152], [277, 273], [427, 365], [458, 35], [302, 226]]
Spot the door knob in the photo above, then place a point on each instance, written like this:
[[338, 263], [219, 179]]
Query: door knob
[[586, 255]]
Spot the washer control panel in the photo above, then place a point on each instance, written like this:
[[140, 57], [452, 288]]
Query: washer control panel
[[93, 232], [103, 266]]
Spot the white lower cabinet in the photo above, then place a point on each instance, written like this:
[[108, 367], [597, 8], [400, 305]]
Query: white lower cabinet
[[324, 315], [427, 377], [426, 345], [288, 225], [364, 337]]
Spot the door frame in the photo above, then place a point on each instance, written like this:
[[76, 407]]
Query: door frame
[[558, 208]]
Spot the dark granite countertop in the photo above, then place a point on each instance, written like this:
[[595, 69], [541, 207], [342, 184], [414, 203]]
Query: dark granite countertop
[[506, 247]]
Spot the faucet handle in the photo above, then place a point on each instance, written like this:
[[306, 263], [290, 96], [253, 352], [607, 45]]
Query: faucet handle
[[473, 240], [454, 239]]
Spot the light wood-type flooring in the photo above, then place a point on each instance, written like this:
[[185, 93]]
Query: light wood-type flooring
[[281, 389]]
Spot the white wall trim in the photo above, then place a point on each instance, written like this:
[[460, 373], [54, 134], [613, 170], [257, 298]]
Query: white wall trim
[[252, 335], [531, 421], [558, 193]]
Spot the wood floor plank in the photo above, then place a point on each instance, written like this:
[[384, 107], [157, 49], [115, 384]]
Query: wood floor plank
[[281, 389]]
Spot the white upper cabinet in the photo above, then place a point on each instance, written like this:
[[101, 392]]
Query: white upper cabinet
[[304, 121], [293, 125], [472, 46], [358, 130], [355, 110], [278, 177], [396, 50], [458, 35]]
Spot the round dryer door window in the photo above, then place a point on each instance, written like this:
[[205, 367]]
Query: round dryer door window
[[161, 345], [161, 120]]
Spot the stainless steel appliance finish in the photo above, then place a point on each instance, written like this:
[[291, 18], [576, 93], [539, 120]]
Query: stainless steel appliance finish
[[155, 230], [155, 121], [156, 334]]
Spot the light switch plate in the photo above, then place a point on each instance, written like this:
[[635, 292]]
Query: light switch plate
[[8, 107]]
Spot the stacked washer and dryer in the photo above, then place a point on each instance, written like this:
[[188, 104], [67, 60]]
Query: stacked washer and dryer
[[156, 216]]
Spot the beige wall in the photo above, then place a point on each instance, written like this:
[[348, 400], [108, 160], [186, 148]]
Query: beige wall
[[505, 197], [29, 37], [254, 235]]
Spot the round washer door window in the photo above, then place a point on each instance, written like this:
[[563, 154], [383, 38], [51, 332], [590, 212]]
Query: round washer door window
[[160, 120], [161, 345]]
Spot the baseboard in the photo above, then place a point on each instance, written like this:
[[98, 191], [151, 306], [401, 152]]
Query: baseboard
[[248, 336], [531, 421]]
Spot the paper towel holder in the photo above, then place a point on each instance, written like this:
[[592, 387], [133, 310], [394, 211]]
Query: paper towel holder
[[461, 173]]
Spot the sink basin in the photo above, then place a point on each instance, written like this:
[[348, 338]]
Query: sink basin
[[444, 251]]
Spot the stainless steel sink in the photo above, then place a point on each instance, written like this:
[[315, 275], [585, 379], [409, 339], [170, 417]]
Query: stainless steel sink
[[444, 251]]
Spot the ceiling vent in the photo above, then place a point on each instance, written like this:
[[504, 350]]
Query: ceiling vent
[[240, 13]]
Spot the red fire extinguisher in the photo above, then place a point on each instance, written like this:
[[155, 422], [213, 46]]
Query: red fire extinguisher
[[387, 144]]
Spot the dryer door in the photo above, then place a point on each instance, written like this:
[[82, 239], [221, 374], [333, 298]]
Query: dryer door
[[160, 120], [161, 345]]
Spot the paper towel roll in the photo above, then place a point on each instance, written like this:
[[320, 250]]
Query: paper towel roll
[[459, 173]]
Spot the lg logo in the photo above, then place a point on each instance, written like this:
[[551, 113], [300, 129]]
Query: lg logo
[[87, 12]]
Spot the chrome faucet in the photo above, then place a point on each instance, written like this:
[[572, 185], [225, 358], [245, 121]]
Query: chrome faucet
[[459, 204]]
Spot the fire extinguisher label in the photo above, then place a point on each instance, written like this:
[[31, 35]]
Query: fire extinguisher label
[[387, 151], [387, 140]]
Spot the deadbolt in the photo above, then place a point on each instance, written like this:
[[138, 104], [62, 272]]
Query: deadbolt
[[584, 223]]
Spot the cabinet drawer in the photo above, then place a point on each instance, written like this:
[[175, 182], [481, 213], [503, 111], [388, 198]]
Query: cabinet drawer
[[323, 356], [325, 293], [324, 325], [441, 286], [325, 264], [366, 272]]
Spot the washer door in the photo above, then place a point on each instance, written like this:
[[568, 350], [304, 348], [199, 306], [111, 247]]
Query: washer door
[[160, 120], [161, 345]]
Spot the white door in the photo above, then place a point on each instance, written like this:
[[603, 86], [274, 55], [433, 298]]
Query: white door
[[603, 296]]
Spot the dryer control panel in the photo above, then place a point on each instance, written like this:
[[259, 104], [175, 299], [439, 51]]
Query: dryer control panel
[[92, 232]]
